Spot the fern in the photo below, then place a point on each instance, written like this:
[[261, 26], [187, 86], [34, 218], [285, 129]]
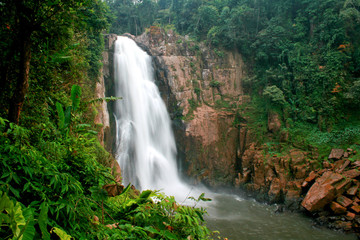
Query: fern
[[60, 111], [75, 96]]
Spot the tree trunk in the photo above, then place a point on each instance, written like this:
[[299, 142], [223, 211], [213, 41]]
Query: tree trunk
[[22, 84]]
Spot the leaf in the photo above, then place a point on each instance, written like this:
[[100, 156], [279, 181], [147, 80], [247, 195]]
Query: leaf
[[170, 235], [28, 231], [151, 230], [43, 219], [60, 111], [14, 191], [126, 189], [144, 196], [75, 96], [61, 234], [200, 215], [17, 219], [67, 120]]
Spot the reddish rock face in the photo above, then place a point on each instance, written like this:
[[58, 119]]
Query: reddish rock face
[[337, 208], [352, 190], [336, 153], [322, 192], [350, 216], [275, 190], [356, 209], [274, 123], [344, 201], [353, 173]]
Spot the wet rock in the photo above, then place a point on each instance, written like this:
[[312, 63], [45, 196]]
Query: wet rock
[[275, 191], [309, 180], [336, 153], [344, 201], [342, 186], [337, 208], [321, 192], [115, 170], [292, 199], [350, 216], [352, 190], [356, 209], [343, 225], [353, 173]]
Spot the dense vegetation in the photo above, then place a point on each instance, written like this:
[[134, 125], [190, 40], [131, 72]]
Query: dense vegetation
[[52, 166], [304, 63], [303, 56]]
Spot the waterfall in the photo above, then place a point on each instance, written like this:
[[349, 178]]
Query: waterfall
[[146, 149]]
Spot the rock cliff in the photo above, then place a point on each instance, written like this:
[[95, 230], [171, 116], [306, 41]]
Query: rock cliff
[[202, 87]]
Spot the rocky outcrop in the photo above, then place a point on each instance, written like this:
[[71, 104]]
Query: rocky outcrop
[[201, 87], [334, 195], [331, 193], [102, 119], [104, 88]]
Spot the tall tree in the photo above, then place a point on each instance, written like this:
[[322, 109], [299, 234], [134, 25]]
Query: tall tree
[[25, 19]]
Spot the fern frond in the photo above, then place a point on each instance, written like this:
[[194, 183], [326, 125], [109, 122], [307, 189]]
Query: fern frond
[[75, 96], [61, 115]]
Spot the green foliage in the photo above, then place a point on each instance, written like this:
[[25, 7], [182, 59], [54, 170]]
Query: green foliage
[[215, 84], [275, 95], [52, 188], [75, 97]]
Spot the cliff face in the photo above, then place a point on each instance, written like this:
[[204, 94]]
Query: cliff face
[[201, 86]]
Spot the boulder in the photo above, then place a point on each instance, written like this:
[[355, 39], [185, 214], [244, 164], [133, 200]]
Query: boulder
[[350, 216], [321, 192], [356, 209], [340, 165], [344, 201], [353, 173], [337, 208], [336, 153], [352, 190]]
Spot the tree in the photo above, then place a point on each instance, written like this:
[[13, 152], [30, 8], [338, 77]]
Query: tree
[[28, 20]]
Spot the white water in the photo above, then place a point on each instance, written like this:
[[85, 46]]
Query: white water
[[146, 149]]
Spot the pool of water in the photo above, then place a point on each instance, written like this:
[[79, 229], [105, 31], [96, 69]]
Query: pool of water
[[246, 219]]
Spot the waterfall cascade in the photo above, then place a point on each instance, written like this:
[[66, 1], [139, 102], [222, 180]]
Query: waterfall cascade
[[146, 149]]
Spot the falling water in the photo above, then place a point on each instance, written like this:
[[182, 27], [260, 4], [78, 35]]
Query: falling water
[[146, 149]]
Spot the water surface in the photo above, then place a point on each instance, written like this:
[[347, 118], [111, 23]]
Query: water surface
[[244, 219]]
